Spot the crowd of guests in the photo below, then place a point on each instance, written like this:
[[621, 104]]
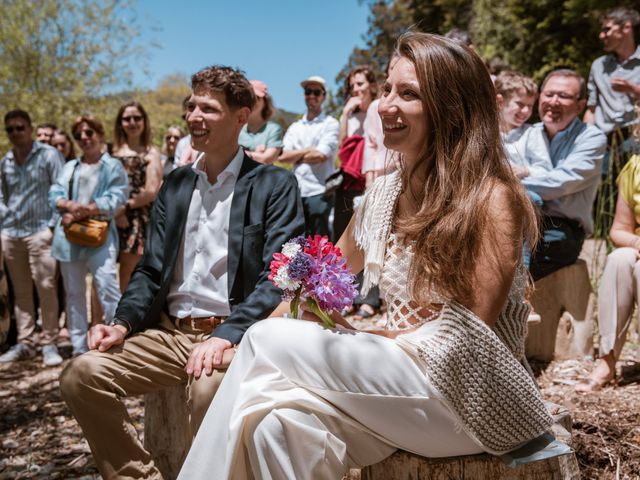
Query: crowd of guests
[[204, 288]]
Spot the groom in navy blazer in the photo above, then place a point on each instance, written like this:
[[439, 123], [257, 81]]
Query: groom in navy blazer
[[201, 283]]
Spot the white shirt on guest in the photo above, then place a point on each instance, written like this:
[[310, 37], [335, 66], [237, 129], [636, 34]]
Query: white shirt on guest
[[199, 285], [321, 134]]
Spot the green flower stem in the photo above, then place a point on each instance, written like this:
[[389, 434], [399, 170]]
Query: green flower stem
[[295, 302], [315, 308]]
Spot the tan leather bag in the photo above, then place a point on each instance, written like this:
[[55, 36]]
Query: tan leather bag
[[88, 232]]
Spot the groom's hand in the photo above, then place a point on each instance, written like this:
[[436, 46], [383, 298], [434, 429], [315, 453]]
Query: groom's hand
[[208, 355], [102, 337]]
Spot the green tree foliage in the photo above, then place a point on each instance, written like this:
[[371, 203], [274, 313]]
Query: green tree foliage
[[59, 57], [387, 20], [535, 36], [440, 16]]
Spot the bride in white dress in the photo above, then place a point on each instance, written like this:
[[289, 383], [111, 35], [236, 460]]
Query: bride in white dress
[[442, 237]]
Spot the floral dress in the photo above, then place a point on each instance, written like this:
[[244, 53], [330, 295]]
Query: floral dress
[[132, 237]]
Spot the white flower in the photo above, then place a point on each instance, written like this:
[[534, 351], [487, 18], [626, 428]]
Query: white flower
[[283, 281], [290, 249]]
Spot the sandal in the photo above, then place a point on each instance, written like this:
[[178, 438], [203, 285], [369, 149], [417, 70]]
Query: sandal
[[590, 385]]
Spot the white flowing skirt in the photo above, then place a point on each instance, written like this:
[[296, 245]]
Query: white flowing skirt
[[304, 402]]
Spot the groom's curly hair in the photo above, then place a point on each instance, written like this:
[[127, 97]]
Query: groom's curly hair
[[237, 90]]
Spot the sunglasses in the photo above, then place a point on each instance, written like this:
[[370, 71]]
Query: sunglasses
[[87, 131], [17, 128], [317, 92], [132, 118], [169, 137]]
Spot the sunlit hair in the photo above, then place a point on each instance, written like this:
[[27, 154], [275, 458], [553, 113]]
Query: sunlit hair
[[622, 15], [120, 136], [232, 83], [65, 134], [462, 162], [508, 83], [92, 122], [368, 73], [164, 140], [267, 110]]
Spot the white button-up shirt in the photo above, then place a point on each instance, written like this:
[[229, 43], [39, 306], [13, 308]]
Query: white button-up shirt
[[321, 134], [199, 285]]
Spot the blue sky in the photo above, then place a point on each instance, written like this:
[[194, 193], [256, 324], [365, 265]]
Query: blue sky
[[280, 42]]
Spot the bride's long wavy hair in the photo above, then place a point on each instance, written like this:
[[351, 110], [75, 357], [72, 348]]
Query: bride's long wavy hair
[[461, 162]]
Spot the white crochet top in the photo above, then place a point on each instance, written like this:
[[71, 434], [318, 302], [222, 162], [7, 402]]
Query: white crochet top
[[402, 312], [476, 369]]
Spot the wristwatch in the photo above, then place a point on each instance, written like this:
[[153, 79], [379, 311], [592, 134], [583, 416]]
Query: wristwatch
[[121, 322]]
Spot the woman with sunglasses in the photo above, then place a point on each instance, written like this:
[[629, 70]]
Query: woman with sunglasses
[[93, 185], [171, 138], [132, 146], [443, 238], [261, 138]]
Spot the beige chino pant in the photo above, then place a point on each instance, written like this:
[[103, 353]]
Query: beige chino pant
[[29, 261], [619, 290], [94, 383]]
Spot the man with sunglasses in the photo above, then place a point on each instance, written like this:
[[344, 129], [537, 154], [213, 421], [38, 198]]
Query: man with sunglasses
[[26, 173], [311, 144], [614, 80]]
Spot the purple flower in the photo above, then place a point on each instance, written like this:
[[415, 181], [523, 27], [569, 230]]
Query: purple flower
[[331, 285], [299, 266]]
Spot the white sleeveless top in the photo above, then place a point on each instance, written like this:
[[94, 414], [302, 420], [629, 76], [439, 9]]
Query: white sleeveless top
[[476, 369]]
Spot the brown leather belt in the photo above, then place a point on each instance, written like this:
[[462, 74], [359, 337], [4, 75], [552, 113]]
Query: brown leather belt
[[204, 324]]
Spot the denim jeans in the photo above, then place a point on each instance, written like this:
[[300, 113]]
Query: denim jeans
[[316, 214], [102, 266], [526, 250]]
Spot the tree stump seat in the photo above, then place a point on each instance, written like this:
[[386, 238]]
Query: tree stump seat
[[403, 465], [565, 302], [407, 466], [167, 437]]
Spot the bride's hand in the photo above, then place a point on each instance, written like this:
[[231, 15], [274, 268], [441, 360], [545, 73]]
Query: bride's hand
[[339, 320]]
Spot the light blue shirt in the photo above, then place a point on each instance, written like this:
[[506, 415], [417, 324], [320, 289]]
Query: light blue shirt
[[111, 192], [613, 109], [24, 208], [569, 187]]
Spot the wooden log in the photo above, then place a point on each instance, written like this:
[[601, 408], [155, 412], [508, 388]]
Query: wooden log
[[167, 435], [407, 466], [565, 302]]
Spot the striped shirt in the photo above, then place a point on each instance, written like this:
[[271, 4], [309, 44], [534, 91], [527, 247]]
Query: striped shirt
[[24, 189]]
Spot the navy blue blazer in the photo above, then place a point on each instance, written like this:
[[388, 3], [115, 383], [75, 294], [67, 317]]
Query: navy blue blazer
[[266, 211]]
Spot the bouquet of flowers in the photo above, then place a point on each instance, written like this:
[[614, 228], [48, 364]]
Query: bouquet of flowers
[[313, 271]]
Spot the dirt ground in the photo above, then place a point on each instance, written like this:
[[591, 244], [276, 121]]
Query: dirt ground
[[41, 440]]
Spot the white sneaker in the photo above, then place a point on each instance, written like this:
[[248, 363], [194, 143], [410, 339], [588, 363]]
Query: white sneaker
[[50, 356], [19, 351]]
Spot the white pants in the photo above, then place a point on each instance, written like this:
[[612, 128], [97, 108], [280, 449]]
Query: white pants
[[303, 402], [102, 266]]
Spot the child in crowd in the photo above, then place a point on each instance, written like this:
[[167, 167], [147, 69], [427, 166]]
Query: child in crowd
[[516, 96]]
